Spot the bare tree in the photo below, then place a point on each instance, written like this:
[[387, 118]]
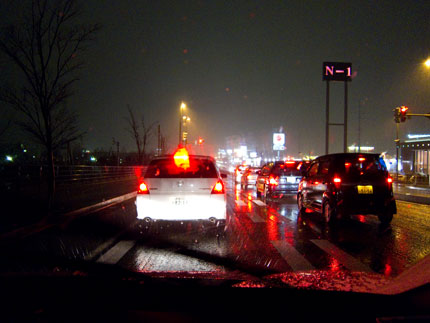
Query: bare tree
[[141, 133], [46, 46]]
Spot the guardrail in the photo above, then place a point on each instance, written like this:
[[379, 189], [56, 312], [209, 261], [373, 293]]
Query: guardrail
[[64, 175]]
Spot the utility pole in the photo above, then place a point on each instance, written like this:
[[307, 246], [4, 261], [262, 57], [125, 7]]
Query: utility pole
[[359, 126]]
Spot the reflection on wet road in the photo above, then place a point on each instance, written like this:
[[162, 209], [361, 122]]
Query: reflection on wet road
[[259, 238]]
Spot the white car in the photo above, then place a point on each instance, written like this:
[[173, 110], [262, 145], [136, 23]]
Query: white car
[[182, 187]]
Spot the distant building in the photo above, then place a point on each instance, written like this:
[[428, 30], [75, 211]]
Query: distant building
[[414, 154]]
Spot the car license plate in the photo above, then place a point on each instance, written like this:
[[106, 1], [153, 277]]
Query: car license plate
[[365, 189], [178, 201]]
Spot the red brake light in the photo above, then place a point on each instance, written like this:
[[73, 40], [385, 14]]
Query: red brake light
[[273, 181], [290, 162], [362, 159], [337, 180], [389, 180], [143, 189], [218, 188]]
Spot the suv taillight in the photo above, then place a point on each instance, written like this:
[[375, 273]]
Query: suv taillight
[[143, 188], [273, 181], [337, 181], [218, 188], [389, 181]]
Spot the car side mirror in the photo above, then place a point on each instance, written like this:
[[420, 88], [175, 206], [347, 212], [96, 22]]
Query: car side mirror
[[223, 175]]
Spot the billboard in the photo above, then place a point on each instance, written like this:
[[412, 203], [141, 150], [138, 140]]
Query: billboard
[[279, 141]]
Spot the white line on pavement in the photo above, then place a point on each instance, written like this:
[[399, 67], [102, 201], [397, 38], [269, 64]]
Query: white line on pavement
[[116, 252], [344, 258], [258, 202], [255, 218], [240, 203], [293, 258]]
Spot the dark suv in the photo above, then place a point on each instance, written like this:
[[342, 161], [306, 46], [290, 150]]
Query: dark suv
[[277, 179], [339, 185]]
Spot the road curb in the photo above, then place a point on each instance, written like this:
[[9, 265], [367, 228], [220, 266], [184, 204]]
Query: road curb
[[412, 198]]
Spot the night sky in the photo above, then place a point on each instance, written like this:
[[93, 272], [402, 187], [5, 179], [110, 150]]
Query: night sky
[[249, 67]]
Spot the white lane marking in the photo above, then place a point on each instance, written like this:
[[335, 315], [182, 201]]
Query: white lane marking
[[293, 258], [258, 202], [113, 255], [240, 203], [344, 258], [255, 218]]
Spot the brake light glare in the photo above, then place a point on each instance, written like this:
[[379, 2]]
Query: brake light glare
[[273, 181], [337, 181], [362, 159], [218, 188], [143, 189], [389, 180]]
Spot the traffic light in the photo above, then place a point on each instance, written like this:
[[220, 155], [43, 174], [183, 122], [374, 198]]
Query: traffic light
[[400, 114], [201, 141], [403, 111]]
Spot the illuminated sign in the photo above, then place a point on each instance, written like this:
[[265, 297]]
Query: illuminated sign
[[279, 141], [418, 136], [333, 71]]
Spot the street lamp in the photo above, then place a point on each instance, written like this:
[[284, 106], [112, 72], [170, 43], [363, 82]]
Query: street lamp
[[183, 106], [427, 63]]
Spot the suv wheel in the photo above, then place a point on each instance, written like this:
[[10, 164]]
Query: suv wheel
[[300, 203], [385, 217], [328, 212]]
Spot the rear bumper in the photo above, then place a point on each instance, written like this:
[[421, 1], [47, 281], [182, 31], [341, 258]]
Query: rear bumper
[[284, 189], [198, 208], [372, 206]]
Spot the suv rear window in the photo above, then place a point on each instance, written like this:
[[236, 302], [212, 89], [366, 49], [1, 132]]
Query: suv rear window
[[356, 166], [166, 168], [287, 169]]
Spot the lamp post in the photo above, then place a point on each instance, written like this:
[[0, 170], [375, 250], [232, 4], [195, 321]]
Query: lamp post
[[183, 106]]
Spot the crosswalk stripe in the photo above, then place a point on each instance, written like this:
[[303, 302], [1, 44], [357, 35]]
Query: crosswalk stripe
[[240, 203], [258, 202], [293, 258], [255, 218], [344, 258], [113, 255]]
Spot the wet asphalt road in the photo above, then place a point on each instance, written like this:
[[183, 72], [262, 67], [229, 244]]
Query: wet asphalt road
[[258, 239]]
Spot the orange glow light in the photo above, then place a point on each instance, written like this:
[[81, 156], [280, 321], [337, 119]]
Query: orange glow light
[[181, 158], [362, 159], [143, 189], [218, 188]]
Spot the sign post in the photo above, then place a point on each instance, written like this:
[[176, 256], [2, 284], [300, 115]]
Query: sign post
[[335, 71], [278, 142]]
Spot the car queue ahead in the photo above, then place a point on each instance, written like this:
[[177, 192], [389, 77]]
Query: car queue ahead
[[277, 179], [249, 177], [182, 187], [238, 172], [339, 185]]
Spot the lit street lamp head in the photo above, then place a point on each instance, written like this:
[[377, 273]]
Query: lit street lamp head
[[427, 63]]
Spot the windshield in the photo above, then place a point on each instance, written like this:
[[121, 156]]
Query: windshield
[[126, 129]]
